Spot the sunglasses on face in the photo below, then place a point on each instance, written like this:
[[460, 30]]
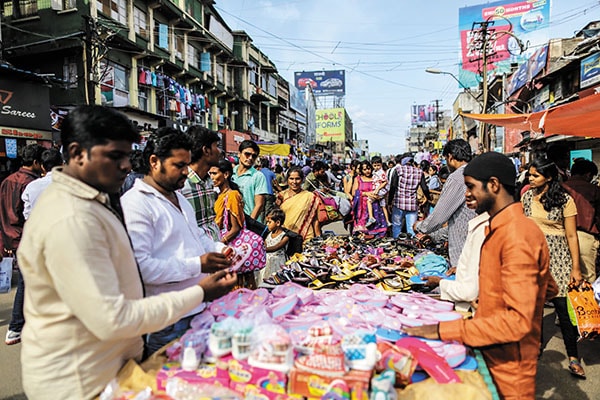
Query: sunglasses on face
[[249, 154]]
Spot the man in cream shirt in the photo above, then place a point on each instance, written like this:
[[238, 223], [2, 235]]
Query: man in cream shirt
[[84, 305]]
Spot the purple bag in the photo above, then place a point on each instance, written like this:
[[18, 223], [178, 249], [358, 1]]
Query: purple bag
[[258, 257]]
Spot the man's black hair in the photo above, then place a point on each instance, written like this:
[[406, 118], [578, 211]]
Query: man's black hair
[[319, 166], [460, 150], [31, 153], [376, 159], [201, 137], [51, 158], [581, 166], [249, 144], [162, 142], [92, 125]]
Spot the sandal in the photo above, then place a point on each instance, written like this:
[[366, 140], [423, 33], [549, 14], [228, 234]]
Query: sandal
[[576, 369]]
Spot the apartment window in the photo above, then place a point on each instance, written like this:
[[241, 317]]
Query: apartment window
[[192, 56], [140, 23], [21, 9], [272, 86], [264, 81], [253, 73], [143, 98], [114, 84], [179, 47], [161, 34], [220, 73], [61, 5], [70, 71], [116, 9]]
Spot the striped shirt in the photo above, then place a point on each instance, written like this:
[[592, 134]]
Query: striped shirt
[[451, 208], [201, 195]]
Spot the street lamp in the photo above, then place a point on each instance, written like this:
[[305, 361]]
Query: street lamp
[[467, 89]]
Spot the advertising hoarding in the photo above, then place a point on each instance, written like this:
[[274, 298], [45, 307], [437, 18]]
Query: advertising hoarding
[[528, 70], [421, 113], [331, 125], [528, 20], [590, 71], [323, 83]]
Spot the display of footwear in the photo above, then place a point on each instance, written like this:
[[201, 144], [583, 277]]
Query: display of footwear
[[326, 360], [12, 337]]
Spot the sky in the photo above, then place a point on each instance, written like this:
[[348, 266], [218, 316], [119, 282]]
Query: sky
[[383, 45]]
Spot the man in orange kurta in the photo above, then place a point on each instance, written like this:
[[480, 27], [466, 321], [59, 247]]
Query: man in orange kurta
[[513, 279]]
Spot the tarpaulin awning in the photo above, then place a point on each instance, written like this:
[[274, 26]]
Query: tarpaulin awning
[[274, 149], [578, 118]]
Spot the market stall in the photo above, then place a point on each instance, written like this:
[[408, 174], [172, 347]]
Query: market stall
[[330, 326]]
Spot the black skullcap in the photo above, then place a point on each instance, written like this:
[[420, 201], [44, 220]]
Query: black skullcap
[[486, 165]]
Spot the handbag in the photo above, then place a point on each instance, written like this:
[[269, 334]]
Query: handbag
[[328, 208], [258, 257], [585, 309]]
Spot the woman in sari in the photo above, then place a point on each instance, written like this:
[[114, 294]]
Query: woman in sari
[[363, 193], [300, 206], [229, 203]]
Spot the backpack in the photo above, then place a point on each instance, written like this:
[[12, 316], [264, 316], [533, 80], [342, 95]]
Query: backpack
[[294, 243]]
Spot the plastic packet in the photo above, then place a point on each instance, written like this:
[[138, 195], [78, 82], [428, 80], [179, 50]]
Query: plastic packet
[[178, 389]]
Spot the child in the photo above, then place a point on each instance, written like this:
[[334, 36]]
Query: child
[[379, 188], [276, 243]]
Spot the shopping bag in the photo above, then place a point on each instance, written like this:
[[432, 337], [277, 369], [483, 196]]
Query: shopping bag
[[585, 309], [6, 269]]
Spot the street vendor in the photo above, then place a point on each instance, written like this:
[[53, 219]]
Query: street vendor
[[513, 282], [84, 305]]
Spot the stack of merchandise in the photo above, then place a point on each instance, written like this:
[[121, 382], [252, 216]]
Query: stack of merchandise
[[295, 342]]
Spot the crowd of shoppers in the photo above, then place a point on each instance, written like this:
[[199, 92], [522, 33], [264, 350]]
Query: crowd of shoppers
[[147, 248]]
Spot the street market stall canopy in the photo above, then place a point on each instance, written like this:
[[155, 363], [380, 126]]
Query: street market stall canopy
[[274, 149], [578, 118]]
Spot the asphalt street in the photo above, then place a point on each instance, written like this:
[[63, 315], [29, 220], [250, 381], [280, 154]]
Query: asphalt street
[[553, 378]]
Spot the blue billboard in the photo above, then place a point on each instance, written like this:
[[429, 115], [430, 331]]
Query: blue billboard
[[323, 83], [590, 70]]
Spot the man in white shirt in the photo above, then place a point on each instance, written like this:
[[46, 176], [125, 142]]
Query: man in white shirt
[[172, 252], [50, 158]]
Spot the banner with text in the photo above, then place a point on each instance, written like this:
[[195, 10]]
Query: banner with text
[[24, 105], [527, 20], [323, 83], [330, 125]]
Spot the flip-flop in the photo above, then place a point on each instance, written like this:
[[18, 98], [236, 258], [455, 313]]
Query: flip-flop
[[434, 365], [240, 255], [576, 369]]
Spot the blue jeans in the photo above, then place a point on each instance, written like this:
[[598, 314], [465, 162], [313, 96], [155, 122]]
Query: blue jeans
[[398, 216], [156, 340], [17, 319]]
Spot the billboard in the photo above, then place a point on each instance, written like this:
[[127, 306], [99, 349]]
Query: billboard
[[331, 125], [590, 70], [528, 70], [323, 83], [421, 113], [528, 20], [24, 105]]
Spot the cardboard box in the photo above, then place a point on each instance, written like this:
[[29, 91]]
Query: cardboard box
[[206, 373], [311, 385], [244, 377]]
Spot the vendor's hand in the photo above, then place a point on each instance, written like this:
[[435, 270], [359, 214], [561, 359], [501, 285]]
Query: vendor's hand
[[424, 331], [424, 239], [451, 271], [576, 277], [217, 284], [213, 262], [432, 281], [475, 304]]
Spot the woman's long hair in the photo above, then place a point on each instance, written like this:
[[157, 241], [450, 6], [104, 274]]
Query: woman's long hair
[[225, 166], [555, 196]]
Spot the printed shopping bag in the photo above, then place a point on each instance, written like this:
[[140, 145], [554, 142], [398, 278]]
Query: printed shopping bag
[[6, 269], [585, 309]]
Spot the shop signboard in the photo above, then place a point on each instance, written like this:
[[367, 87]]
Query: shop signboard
[[527, 20], [528, 70], [585, 154], [24, 105], [323, 83], [331, 125], [590, 70]]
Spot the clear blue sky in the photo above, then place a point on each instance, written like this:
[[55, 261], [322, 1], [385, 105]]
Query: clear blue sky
[[384, 46]]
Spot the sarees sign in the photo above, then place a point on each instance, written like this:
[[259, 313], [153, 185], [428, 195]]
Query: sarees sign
[[331, 125]]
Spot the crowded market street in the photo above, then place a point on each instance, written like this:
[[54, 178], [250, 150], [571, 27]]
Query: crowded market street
[[553, 380]]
